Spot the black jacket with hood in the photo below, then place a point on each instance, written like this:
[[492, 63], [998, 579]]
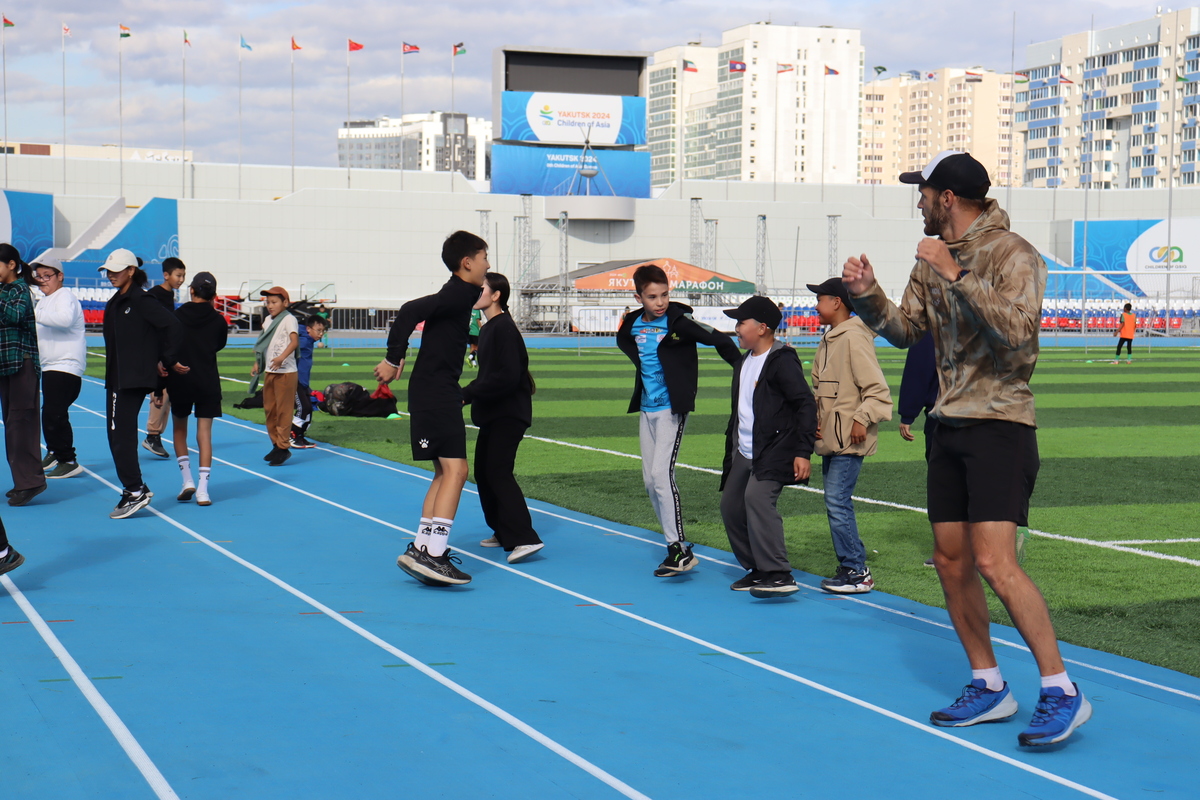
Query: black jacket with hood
[[785, 418], [677, 354], [138, 334], [205, 333]]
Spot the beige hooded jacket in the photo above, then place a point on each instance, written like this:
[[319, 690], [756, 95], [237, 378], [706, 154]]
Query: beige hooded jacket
[[849, 387], [985, 324]]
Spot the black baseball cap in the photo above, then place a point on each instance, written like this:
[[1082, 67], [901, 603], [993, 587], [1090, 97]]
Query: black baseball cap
[[203, 280], [759, 309], [834, 288], [953, 171]]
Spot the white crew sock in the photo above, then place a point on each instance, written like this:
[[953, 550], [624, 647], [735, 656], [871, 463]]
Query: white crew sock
[[4, 553], [1061, 681], [989, 676], [185, 469], [423, 530], [204, 475], [439, 536]]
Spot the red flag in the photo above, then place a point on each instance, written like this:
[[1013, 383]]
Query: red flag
[[410, 48], [354, 45], [294, 45]]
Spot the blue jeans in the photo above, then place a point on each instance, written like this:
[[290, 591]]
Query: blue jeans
[[840, 474]]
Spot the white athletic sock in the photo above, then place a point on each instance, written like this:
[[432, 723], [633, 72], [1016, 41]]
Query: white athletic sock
[[423, 530], [204, 475], [4, 553], [1061, 681], [185, 469], [989, 676], [439, 536]]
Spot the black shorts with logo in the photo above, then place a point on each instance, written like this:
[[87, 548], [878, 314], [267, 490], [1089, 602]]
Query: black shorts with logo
[[438, 433], [982, 472]]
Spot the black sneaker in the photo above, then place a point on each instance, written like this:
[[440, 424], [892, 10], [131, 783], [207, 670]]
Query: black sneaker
[[19, 497], [299, 442], [849, 581], [153, 443], [281, 456], [679, 560], [64, 469], [49, 461], [131, 503], [11, 561], [774, 584], [748, 582], [435, 570], [271, 456]]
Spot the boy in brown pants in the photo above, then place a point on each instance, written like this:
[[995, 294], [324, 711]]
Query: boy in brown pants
[[275, 354]]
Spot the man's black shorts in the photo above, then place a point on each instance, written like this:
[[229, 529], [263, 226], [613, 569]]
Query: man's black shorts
[[206, 406], [438, 433], [983, 472]]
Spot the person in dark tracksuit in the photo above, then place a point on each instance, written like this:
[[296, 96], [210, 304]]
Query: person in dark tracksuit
[[660, 339], [768, 445], [139, 336], [501, 406]]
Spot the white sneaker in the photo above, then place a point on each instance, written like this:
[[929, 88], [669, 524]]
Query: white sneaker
[[186, 492], [524, 551], [491, 542], [202, 499]]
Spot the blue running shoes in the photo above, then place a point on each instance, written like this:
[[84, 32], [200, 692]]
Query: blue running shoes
[[1056, 717], [977, 704]]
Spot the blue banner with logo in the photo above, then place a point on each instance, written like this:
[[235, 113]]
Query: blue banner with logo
[[551, 171], [27, 222], [557, 118]]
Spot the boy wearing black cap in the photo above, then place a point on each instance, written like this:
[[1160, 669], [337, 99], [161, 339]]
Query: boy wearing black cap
[[660, 339], [852, 399], [174, 273], [199, 391], [768, 444]]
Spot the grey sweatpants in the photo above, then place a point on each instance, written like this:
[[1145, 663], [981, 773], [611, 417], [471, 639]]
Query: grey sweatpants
[[752, 522], [660, 433]]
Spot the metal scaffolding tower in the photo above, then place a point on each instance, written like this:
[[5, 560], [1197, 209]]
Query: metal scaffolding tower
[[760, 255], [832, 236], [485, 224], [697, 232], [709, 256]]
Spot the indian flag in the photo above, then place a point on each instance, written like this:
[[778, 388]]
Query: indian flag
[[125, 32]]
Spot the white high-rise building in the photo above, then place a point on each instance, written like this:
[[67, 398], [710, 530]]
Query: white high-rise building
[[776, 103], [419, 142]]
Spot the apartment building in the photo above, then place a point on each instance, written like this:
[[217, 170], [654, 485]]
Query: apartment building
[[433, 142]]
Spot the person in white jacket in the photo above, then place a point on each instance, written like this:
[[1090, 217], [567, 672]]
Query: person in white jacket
[[63, 354]]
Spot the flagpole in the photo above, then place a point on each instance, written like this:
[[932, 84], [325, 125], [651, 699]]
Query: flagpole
[[450, 127], [293, 52], [1012, 118], [1170, 191], [120, 114], [402, 59], [348, 156], [824, 105], [4, 65], [240, 48], [183, 152], [775, 167], [64, 76]]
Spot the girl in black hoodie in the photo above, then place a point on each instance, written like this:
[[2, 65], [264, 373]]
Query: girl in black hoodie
[[503, 409], [141, 342], [199, 391]]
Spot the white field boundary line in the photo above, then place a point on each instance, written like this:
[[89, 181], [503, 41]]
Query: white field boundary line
[[412, 661], [425, 477], [998, 640], [158, 783], [928, 729]]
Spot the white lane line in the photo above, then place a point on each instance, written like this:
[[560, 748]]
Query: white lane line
[[1156, 541], [425, 477], [644, 620], [128, 743], [412, 661]]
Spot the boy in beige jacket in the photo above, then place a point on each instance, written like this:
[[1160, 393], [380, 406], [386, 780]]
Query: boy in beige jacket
[[852, 399]]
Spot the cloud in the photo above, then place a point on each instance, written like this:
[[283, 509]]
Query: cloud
[[900, 34]]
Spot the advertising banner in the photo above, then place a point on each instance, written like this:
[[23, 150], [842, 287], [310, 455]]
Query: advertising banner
[[683, 277], [27, 222], [518, 169], [1138, 251], [572, 118]]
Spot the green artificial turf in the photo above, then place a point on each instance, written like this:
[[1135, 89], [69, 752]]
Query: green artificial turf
[[1120, 446]]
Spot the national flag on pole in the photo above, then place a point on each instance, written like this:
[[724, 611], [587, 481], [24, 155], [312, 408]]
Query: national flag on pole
[[460, 49], [689, 66], [186, 40], [125, 32], [353, 45], [294, 45], [974, 77], [880, 70], [1020, 77], [931, 76], [66, 30], [408, 48], [1180, 77], [831, 71], [737, 66], [784, 68], [1061, 79], [8, 23], [248, 47]]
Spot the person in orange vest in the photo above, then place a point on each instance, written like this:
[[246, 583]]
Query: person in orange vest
[[1125, 331]]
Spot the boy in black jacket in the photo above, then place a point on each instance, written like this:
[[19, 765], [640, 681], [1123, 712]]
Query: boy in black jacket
[[435, 401], [769, 443], [660, 339]]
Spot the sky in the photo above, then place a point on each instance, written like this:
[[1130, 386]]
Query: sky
[[898, 34]]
